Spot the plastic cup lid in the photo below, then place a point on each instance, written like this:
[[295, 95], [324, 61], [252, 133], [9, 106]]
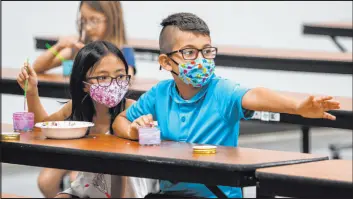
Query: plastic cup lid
[[10, 133], [204, 147]]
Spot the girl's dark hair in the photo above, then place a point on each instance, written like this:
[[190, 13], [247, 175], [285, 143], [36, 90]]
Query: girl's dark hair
[[87, 58]]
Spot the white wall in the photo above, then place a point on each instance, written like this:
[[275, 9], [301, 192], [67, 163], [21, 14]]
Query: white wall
[[243, 23], [259, 24]]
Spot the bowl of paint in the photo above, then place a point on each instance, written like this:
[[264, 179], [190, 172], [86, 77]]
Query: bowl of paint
[[23, 121], [67, 67], [64, 129]]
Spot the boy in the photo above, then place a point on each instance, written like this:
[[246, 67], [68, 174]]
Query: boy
[[197, 106]]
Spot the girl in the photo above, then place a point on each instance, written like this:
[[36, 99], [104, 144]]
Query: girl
[[98, 85], [98, 20]]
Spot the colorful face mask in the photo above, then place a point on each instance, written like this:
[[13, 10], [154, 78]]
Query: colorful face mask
[[197, 72], [109, 96]]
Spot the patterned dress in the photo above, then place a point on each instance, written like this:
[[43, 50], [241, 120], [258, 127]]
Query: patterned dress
[[95, 185]]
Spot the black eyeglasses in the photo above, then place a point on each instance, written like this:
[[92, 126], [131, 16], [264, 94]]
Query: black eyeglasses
[[105, 81], [192, 53]]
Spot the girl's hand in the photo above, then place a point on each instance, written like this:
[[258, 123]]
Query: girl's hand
[[70, 42], [28, 72]]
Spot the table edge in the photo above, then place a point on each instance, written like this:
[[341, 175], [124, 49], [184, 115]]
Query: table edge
[[263, 176], [159, 160]]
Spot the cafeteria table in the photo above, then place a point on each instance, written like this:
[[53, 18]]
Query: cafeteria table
[[322, 179], [56, 85], [245, 57], [331, 29], [175, 161]]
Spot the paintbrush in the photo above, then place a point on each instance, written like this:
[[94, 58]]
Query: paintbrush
[[26, 86]]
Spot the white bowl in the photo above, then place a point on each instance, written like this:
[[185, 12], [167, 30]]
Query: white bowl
[[64, 129]]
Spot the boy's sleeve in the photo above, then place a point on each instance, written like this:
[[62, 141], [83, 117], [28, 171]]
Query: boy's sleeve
[[230, 98], [145, 105]]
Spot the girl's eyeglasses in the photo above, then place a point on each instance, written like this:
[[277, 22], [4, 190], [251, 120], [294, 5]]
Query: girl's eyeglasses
[[105, 81], [92, 22]]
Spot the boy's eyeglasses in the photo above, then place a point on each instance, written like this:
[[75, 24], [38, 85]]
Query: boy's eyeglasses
[[192, 53], [92, 22], [105, 81]]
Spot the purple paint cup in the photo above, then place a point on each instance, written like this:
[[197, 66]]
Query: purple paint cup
[[149, 136], [23, 121]]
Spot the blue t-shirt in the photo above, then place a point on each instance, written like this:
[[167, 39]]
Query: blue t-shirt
[[212, 116]]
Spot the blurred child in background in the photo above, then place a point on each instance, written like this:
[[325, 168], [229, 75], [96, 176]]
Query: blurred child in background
[[98, 20]]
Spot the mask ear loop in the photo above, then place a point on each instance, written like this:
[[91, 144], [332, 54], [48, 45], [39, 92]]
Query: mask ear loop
[[171, 70], [84, 98], [87, 93]]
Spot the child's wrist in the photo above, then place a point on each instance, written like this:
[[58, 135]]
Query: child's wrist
[[33, 93]]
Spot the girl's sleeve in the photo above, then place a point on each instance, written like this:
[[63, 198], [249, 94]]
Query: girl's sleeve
[[76, 188]]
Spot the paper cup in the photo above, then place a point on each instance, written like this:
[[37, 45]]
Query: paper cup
[[23, 121]]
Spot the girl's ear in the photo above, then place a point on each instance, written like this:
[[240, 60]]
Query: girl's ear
[[86, 87]]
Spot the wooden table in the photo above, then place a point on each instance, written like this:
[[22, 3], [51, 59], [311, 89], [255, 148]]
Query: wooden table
[[170, 161], [323, 179], [57, 85], [6, 195], [256, 58], [333, 30]]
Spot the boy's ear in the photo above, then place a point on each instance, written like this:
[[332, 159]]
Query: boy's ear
[[164, 62]]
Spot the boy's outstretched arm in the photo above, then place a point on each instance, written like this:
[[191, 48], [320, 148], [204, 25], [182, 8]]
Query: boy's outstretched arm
[[262, 99]]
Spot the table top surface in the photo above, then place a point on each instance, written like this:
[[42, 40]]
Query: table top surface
[[142, 84], [6, 195], [232, 50], [137, 83], [332, 25], [261, 52], [329, 170], [227, 158]]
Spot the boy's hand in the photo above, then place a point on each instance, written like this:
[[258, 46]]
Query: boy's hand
[[316, 107], [143, 121], [27, 72]]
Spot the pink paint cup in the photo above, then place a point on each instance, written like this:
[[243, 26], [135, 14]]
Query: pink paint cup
[[23, 121]]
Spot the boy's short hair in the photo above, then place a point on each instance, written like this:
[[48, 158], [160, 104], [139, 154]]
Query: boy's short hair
[[184, 22]]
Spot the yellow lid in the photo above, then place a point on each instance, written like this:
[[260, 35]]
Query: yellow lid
[[204, 149], [10, 136]]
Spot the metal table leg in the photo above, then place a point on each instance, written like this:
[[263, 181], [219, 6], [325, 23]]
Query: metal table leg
[[305, 139], [216, 191], [338, 44], [260, 193]]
